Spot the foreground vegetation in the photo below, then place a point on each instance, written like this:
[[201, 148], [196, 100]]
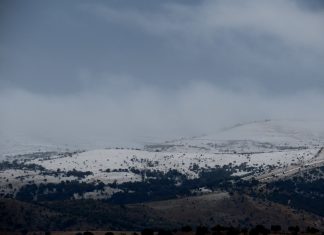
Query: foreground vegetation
[[185, 230]]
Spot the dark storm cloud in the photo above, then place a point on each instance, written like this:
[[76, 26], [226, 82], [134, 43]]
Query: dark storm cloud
[[274, 44], [316, 5], [117, 69]]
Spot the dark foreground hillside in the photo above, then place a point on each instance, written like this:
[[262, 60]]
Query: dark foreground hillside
[[211, 209]]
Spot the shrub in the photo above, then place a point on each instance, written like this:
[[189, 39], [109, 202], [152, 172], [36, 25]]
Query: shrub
[[164, 232], [201, 230], [88, 233], [24, 231], [293, 229], [275, 228], [312, 230], [186, 229], [147, 231]]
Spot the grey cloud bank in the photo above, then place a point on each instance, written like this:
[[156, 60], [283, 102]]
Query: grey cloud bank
[[75, 72], [144, 115]]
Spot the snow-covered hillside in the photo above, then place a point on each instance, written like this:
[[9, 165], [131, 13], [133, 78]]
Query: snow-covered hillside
[[262, 136], [254, 149]]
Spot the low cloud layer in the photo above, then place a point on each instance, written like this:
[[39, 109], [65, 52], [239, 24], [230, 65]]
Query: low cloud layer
[[148, 114]]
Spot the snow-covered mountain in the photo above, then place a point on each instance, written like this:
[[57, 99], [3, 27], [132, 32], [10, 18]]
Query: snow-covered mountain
[[262, 136], [251, 149]]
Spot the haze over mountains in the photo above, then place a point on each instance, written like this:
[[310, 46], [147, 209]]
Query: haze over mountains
[[277, 132], [255, 148]]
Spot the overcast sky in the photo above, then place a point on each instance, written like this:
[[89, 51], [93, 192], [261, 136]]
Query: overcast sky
[[81, 71]]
